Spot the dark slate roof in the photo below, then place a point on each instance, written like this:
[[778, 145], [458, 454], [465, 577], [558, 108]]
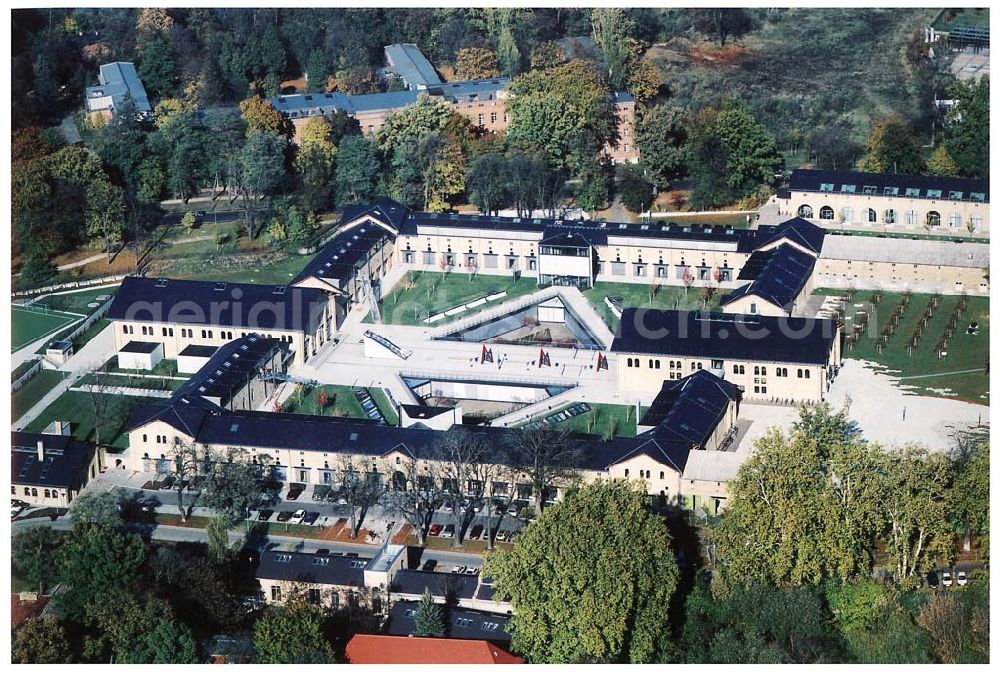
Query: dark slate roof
[[410, 64], [139, 346], [299, 567], [568, 237], [198, 351], [439, 584], [64, 465], [251, 306], [361, 103], [230, 368], [812, 180], [343, 254], [780, 279], [798, 230], [688, 410], [623, 97], [461, 623], [469, 91], [596, 232], [798, 340]]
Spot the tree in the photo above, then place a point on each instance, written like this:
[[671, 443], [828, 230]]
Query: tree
[[591, 579], [643, 80], [32, 552], [317, 70], [37, 270], [731, 154], [187, 465], [892, 148], [156, 67], [488, 182], [661, 134], [940, 163], [256, 172], [635, 191], [970, 496], [465, 462], [429, 620], [291, 634], [611, 29], [594, 188], [721, 23], [261, 116], [803, 508], [547, 55], [875, 627], [565, 111], [476, 63], [417, 495], [231, 488], [362, 486], [138, 628], [99, 508], [151, 179], [546, 456], [968, 136], [41, 640], [315, 161], [189, 221], [412, 122], [357, 170], [167, 642], [94, 560], [950, 622], [218, 540]]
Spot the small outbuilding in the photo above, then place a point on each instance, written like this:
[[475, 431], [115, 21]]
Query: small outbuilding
[[140, 355], [194, 357]]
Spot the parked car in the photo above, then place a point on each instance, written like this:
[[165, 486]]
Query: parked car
[[284, 516], [471, 571], [435, 530], [168, 483], [514, 509], [458, 570], [946, 579], [311, 518], [264, 514], [932, 580], [962, 578], [298, 517], [476, 532], [294, 491], [502, 535], [323, 552], [429, 565], [448, 531], [17, 506]]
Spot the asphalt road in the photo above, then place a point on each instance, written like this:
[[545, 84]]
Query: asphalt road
[[220, 216]]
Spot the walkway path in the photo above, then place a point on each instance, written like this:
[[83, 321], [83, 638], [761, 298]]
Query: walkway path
[[84, 261]]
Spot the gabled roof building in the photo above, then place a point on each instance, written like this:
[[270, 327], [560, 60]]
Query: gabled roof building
[[119, 83]]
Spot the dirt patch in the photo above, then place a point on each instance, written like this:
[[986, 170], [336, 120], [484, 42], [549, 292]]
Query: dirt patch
[[718, 56]]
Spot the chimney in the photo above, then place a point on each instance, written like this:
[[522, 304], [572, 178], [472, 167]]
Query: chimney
[[41, 450]]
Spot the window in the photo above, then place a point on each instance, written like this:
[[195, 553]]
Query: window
[[976, 222], [753, 308], [314, 597], [807, 373], [763, 370], [890, 216], [913, 192], [626, 471], [275, 593], [955, 220], [826, 187], [870, 216], [933, 219], [850, 189], [910, 218], [725, 274], [661, 271], [657, 362], [869, 190], [846, 215], [617, 268], [954, 195], [890, 192], [826, 213], [640, 270], [800, 373], [493, 118], [661, 475], [629, 360], [482, 119], [933, 194], [805, 211]]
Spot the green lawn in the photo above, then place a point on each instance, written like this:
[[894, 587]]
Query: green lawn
[[638, 295], [962, 372], [279, 272], [420, 294], [384, 405], [731, 220], [77, 301], [33, 391], [604, 420], [340, 402], [28, 325], [81, 339], [22, 368], [78, 408], [166, 367]]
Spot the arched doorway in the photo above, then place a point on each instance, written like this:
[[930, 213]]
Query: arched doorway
[[398, 481]]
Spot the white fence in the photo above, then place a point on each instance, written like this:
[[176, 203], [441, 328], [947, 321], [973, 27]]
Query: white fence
[[83, 284]]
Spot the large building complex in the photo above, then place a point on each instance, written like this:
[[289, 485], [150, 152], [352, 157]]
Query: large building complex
[[888, 202], [482, 102]]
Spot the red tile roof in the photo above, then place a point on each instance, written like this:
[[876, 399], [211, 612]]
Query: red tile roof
[[377, 649], [21, 610]]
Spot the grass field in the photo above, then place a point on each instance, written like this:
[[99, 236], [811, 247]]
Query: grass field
[[637, 295], [278, 272], [78, 408], [420, 294], [22, 368], [133, 380], [961, 374], [81, 339], [77, 301], [33, 391], [603, 420], [28, 325], [340, 402]]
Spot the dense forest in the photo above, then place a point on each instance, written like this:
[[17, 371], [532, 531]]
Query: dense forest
[[727, 100]]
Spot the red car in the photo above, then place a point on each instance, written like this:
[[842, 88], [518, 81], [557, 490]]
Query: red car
[[435, 530]]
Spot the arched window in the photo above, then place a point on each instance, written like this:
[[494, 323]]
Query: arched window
[[846, 215], [47, 493], [807, 373], [626, 471], [800, 373], [657, 363], [826, 213], [933, 219], [871, 216], [763, 370], [890, 216], [144, 438], [805, 211], [661, 475], [756, 370], [650, 363], [629, 360], [34, 492], [955, 220]]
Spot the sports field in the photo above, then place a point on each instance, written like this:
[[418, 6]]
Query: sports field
[[28, 325]]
